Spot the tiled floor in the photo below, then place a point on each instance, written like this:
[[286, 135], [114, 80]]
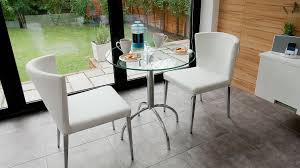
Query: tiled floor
[[259, 134]]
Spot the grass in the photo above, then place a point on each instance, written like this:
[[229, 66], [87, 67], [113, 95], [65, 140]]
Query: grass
[[72, 45]]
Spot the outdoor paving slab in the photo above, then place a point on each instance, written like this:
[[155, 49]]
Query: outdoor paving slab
[[93, 72], [108, 70], [2, 99], [28, 86], [32, 95], [102, 80], [105, 64], [79, 82], [4, 104], [69, 87]]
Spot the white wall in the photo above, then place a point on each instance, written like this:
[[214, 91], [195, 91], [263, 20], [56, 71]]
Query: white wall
[[209, 15]]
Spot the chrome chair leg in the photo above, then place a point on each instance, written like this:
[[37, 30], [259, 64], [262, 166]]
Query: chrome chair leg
[[139, 107], [58, 138], [228, 102], [130, 136], [163, 127], [165, 93], [66, 151], [193, 112], [113, 125], [124, 126], [172, 109]]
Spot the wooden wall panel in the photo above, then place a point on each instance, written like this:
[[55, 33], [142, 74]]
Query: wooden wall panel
[[255, 22]]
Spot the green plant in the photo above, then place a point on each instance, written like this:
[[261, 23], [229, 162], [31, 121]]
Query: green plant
[[56, 6], [19, 8], [102, 35], [8, 11], [289, 29], [79, 7], [104, 7]]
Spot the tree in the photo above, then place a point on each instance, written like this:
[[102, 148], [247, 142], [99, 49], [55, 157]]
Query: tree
[[56, 7], [19, 8], [178, 8], [79, 7], [8, 11], [104, 7]]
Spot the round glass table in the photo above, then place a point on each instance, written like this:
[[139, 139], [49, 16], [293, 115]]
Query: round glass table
[[154, 59]]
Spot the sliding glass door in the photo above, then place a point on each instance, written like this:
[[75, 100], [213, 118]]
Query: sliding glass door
[[79, 32]]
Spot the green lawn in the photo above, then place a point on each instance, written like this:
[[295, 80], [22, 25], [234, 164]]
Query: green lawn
[[72, 45]]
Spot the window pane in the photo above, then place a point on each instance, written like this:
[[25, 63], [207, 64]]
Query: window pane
[[170, 17], [76, 31]]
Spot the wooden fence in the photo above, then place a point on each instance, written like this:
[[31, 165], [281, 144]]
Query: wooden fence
[[167, 24]]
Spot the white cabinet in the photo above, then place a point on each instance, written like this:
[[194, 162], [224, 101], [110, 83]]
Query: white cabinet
[[279, 79]]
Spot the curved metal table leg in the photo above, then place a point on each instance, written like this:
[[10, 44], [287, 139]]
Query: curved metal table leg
[[132, 117], [140, 105], [166, 106], [163, 127]]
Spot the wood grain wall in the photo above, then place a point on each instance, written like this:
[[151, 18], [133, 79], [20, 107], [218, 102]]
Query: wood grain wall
[[255, 22]]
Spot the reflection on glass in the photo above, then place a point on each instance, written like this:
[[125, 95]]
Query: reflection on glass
[[76, 31]]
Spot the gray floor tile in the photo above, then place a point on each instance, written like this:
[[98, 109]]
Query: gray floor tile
[[92, 155], [259, 134], [38, 163]]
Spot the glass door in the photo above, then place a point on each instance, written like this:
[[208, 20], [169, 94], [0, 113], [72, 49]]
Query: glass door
[[76, 31]]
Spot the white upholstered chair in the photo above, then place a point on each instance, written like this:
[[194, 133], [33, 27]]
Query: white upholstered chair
[[215, 53], [77, 112]]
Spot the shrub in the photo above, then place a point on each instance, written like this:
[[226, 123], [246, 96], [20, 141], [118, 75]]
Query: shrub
[[289, 29], [102, 35]]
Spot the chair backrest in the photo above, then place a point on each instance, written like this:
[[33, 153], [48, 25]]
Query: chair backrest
[[51, 87], [216, 52]]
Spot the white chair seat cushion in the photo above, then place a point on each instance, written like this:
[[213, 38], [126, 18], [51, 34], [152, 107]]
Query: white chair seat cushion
[[196, 80], [96, 107]]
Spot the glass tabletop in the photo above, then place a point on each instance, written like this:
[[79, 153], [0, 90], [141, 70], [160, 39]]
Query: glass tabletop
[[155, 59]]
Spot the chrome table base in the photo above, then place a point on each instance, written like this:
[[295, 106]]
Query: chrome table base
[[151, 106]]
